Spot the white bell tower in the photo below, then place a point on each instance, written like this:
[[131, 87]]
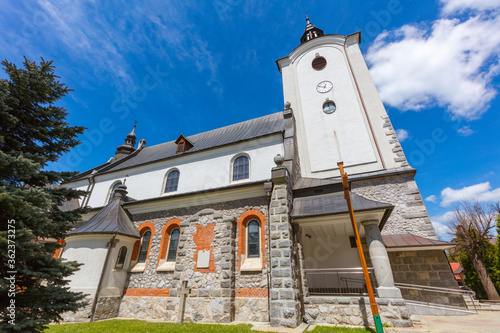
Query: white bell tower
[[338, 112]]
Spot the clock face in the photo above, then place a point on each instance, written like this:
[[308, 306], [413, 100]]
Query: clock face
[[324, 86]]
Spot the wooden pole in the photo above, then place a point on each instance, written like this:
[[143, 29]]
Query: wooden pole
[[371, 295]]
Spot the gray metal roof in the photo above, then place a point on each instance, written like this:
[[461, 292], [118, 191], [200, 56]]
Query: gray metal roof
[[254, 128], [333, 203], [409, 240], [304, 182], [111, 219]]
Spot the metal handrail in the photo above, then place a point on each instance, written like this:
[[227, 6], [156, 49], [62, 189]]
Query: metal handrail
[[419, 287], [451, 290], [336, 269], [334, 280]]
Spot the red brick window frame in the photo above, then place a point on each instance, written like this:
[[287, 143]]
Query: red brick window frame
[[148, 226], [243, 221], [165, 236]]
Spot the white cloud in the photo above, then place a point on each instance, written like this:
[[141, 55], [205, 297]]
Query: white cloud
[[431, 198], [402, 134], [458, 6], [465, 131], [104, 40], [481, 192], [450, 64], [441, 222]]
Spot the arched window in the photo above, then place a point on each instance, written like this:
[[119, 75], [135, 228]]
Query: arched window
[[112, 191], [122, 254], [172, 181], [241, 168], [172, 246], [253, 239], [143, 251]]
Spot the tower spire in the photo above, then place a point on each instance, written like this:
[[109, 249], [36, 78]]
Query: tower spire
[[310, 32]]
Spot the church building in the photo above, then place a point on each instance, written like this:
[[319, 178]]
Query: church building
[[248, 223]]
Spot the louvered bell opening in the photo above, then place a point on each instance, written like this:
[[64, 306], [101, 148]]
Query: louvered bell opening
[[319, 63]]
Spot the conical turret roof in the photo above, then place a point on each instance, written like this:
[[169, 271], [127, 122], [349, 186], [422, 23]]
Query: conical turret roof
[[111, 219]]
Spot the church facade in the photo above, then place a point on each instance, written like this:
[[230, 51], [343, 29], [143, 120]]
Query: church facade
[[248, 223]]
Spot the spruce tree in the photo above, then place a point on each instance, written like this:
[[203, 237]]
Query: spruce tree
[[33, 134]]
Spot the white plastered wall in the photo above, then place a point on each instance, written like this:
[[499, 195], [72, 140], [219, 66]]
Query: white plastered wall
[[198, 171], [89, 250], [326, 251], [115, 278], [346, 134]]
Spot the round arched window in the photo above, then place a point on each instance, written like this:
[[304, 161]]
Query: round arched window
[[174, 242], [253, 239], [329, 107], [120, 262], [143, 251]]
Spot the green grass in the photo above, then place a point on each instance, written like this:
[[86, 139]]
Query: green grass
[[140, 326], [328, 329]]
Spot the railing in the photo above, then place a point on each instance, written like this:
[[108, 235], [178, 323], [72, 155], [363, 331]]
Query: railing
[[337, 281], [446, 297]]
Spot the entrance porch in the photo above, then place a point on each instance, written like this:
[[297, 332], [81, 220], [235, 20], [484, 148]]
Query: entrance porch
[[333, 285]]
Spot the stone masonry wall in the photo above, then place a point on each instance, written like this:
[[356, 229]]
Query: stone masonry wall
[[409, 215], [285, 306], [82, 315], [355, 311], [107, 307], [427, 268], [392, 138], [212, 291]]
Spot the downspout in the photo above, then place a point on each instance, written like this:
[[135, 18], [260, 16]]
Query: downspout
[[88, 193], [91, 187], [363, 104], [94, 303]]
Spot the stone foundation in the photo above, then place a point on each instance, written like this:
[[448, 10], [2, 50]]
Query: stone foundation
[[251, 310], [355, 311], [107, 307], [146, 307], [82, 315]]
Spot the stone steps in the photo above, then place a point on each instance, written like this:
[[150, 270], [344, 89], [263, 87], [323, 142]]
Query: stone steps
[[484, 305]]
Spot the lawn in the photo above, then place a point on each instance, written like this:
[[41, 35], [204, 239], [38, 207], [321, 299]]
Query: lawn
[[328, 329], [140, 326]]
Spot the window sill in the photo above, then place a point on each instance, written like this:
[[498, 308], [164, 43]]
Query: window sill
[[252, 265], [119, 270], [169, 193], [240, 181], [138, 268], [165, 266]]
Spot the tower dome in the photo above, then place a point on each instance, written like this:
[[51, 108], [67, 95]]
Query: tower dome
[[310, 32]]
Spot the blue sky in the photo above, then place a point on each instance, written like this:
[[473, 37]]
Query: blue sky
[[191, 66]]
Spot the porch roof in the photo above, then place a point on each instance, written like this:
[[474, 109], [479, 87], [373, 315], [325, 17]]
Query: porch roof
[[334, 203], [409, 242]]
